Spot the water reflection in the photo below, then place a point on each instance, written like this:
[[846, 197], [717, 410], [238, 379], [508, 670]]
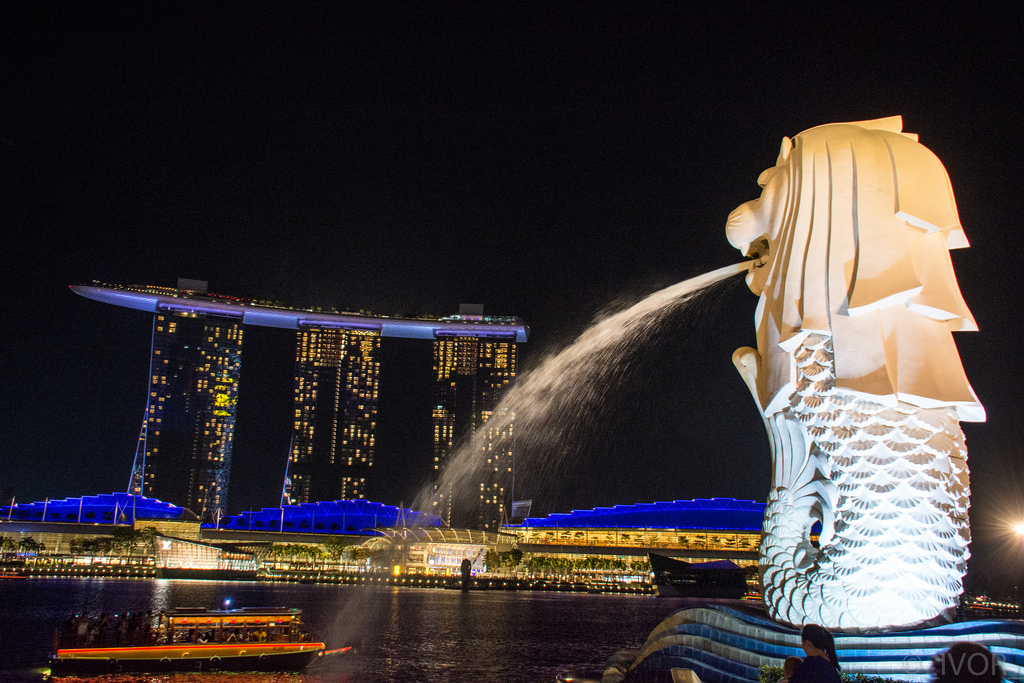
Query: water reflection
[[399, 634]]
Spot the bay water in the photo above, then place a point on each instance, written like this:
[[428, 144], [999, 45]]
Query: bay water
[[398, 633]]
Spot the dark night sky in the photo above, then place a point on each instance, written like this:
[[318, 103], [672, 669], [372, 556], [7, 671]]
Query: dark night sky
[[545, 159]]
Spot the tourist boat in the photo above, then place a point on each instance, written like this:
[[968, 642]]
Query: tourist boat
[[189, 639]]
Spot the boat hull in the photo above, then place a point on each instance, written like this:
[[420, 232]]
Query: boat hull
[[190, 657], [675, 578]]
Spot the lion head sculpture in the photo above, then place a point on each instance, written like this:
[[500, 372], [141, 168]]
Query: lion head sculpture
[[854, 227]]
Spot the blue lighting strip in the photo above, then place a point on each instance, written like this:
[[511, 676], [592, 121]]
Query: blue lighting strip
[[327, 517], [726, 514], [113, 508]]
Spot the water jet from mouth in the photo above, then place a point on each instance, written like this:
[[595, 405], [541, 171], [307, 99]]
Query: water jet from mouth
[[562, 390]]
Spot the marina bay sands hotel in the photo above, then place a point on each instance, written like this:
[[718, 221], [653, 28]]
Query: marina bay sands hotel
[[184, 454]]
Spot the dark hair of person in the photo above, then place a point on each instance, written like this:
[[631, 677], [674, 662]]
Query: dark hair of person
[[966, 662], [821, 639]]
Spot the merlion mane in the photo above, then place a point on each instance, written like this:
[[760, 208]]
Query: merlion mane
[[858, 378]]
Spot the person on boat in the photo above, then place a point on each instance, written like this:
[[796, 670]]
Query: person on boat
[[135, 629], [821, 664], [82, 630], [70, 629], [102, 628], [121, 630]]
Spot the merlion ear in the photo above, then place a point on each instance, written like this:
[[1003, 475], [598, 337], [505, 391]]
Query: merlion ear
[[893, 124], [924, 195], [784, 150]]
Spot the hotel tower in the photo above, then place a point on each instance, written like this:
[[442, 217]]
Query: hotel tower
[[336, 373], [185, 448], [189, 425], [471, 374]]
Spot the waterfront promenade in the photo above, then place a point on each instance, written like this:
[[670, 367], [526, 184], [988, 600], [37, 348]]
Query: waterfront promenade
[[21, 571]]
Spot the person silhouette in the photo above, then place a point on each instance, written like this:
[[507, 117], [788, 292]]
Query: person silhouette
[[821, 664], [467, 571], [966, 662]]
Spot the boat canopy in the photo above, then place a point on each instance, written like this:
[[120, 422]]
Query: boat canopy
[[232, 618]]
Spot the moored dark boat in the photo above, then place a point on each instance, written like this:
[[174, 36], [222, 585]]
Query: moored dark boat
[[719, 579], [191, 639]]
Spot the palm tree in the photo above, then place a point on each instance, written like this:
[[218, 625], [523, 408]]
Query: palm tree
[[126, 539], [335, 548], [313, 553], [30, 545]]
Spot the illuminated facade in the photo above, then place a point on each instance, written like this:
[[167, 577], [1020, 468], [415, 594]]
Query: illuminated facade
[[176, 553], [336, 377], [190, 417], [471, 373], [435, 551], [694, 530]]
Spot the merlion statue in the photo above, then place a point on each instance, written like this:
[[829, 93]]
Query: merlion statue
[[858, 379]]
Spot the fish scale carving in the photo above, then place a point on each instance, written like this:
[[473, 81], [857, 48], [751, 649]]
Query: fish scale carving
[[886, 494]]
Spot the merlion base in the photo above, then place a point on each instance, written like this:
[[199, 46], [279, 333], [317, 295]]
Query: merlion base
[[730, 644]]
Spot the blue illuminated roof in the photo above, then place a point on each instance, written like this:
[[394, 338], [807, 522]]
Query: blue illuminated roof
[[704, 513], [251, 313], [109, 508], [328, 517]]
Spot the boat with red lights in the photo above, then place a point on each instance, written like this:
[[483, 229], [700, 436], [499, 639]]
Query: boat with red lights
[[186, 639]]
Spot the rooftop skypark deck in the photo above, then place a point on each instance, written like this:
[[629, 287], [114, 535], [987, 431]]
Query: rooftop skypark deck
[[249, 312]]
